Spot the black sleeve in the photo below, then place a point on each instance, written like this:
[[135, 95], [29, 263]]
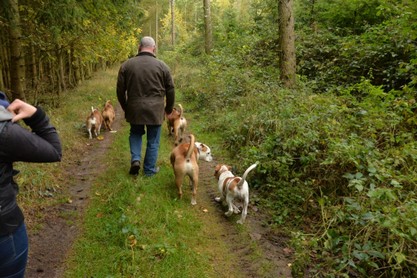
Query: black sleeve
[[40, 145], [170, 93], [121, 89]]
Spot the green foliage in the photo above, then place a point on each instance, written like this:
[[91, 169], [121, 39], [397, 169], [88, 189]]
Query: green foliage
[[337, 167], [332, 53], [371, 234], [382, 55]]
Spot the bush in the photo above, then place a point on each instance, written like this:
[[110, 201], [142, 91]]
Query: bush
[[337, 167]]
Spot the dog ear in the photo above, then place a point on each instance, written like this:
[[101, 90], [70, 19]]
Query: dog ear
[[216, 169]]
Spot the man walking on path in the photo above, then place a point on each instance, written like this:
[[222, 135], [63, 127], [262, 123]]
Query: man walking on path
[[143, 83]]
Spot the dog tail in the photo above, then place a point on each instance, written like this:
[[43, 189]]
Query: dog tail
[[181, 110], [92, 109], [242, 180], [190, 148]]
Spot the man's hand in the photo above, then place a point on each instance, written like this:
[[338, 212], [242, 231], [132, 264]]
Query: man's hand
[[21, 110]]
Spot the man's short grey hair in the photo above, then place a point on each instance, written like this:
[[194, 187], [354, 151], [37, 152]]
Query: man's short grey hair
[[147, 42]]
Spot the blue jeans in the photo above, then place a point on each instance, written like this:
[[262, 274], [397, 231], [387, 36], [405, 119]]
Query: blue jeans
[[14, 253], [152, 146]]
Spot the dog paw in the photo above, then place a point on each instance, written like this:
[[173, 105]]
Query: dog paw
[[228, 213], [239, 221], [217, 199], [193, 202]]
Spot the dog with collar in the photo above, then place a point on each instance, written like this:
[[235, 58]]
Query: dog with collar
[[231, 188], [184, 163], [94, 122], [204, 151]]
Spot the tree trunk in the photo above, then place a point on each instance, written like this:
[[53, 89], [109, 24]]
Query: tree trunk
[[172, 23], [3, 60], [287, 43], [207, 27], [61, 70], [156, 28], [17, 63], [35, 73], [313, 23], [70, 69], [1, 77]]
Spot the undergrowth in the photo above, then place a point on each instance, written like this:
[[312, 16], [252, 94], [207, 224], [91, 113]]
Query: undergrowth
[[337, 170]]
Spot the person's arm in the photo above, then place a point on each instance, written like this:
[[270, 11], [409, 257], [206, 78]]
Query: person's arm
[[169, 93], [121, 89], [40, 145]]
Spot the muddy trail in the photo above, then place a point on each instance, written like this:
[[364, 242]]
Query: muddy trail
[[50, 244]]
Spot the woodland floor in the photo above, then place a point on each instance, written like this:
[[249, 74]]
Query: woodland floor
[[50, 245]]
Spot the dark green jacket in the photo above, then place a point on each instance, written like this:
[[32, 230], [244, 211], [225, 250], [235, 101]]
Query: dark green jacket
[[145, 89]]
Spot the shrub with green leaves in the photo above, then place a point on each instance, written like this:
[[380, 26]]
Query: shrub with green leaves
[[338, 167], [337, 155]]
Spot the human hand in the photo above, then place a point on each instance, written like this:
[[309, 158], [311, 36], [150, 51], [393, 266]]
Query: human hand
[[21, 110], [172, 115]]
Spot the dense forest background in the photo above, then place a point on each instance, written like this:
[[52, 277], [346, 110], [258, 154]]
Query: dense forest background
[[337, 151]]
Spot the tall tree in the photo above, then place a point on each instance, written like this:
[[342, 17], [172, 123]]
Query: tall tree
[[172, 22], [17, 62], [287, 43], [207, 27]]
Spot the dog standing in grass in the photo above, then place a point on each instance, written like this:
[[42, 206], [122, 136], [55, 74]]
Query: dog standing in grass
[[108, 115], [231, 188], [94, 122], [184, 163]]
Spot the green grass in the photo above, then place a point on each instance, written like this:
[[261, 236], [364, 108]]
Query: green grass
[[137, 227]]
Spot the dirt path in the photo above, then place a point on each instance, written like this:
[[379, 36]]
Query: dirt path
[[274, 252], [50, 245]]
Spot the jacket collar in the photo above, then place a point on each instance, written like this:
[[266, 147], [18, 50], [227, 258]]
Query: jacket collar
[[144, 53]]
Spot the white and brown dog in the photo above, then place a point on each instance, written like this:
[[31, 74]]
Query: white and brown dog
[[204, 151], [231, 188], [184, 163], [177, 124], [108, 115], [94, 122]]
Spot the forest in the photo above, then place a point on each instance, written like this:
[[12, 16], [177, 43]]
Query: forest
[[333, 126]]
